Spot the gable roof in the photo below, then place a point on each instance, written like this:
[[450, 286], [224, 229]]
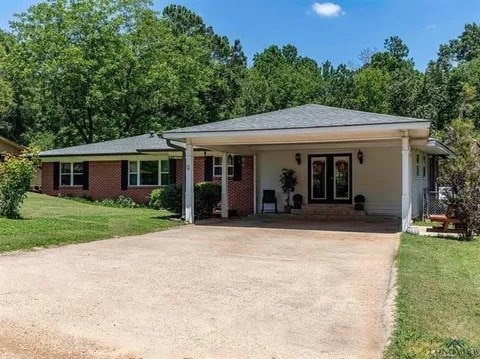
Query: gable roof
[[123, 146], [300, 117], [11, 143]]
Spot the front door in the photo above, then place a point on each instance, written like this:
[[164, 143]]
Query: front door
[[330, 178]]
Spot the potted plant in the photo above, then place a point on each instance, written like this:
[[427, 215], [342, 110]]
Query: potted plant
[[297, 201], [288, 179], [359, 202]]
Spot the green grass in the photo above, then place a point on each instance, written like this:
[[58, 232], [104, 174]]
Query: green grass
[[438, 296], [50, 221]]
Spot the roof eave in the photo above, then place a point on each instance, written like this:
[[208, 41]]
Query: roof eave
[[404, 126]]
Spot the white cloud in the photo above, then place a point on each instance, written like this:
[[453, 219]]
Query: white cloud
[[327, 9], [431, 26]]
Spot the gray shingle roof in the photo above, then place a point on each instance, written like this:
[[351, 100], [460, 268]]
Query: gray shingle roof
[[306, 116], [129, 145]]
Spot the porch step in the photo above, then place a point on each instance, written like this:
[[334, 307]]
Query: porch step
[[329, 210]]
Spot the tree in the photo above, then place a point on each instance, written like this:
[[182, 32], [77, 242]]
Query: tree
[[462, 175], [92, 70], [370, 90], [279, 78]]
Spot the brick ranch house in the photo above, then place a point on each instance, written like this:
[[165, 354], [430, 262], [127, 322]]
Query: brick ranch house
[[134, 166], [336, 154]]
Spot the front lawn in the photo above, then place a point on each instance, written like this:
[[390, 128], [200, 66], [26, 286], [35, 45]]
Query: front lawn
[[51, 221], [438, 297]]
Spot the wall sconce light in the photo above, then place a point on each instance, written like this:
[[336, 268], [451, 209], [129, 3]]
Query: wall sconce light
[[360, 157], [298, 158], [230, 159]]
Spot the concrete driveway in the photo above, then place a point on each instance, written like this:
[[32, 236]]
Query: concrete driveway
[[249, 288]]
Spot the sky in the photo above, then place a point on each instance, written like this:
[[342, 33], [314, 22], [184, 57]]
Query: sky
[[324, 30]]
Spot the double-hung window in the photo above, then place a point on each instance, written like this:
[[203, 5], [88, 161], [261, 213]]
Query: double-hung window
[[217, 166], [148, 173], [71, 174]]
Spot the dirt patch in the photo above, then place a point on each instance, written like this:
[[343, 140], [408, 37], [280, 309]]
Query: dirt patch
[[29, 341]]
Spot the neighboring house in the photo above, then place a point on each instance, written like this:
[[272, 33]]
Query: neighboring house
[[134, 166], [7, 146], [337, 154]]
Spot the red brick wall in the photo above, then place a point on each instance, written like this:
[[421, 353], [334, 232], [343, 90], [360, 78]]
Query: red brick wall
[[105, 182]]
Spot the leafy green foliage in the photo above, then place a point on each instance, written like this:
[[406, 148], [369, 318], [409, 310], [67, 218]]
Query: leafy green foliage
[[288, 180], [15, 176], [462, 176], [207, 196], [168, 197]]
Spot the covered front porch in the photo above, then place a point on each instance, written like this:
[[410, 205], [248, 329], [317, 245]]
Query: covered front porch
[[385, 161]]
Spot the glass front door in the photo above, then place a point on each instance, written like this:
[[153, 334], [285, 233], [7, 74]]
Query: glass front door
[[318, 178], [330, 178]]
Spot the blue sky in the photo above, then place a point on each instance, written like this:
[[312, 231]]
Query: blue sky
[[336, 31]]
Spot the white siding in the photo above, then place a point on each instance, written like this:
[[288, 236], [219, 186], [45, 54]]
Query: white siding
[[378, 178]]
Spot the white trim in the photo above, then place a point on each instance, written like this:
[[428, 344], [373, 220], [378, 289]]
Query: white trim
[[254, 184], [225, 185], [189, 178], [298, 131], [406, 184], [221, 167], [138, 173], [71, 174]]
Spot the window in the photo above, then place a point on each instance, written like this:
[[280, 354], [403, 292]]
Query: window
[[148, 173], [424, 167], [418, 164], [217, 166], [71, 174]]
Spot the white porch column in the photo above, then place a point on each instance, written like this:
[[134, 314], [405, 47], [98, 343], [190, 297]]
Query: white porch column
[[406, 184], [225, 185], [254, 184], [189, 173]]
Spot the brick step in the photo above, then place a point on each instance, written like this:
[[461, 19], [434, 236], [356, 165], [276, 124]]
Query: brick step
[[328, 210]]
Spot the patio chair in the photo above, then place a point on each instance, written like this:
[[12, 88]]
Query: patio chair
[[269, 198], [446, 219]]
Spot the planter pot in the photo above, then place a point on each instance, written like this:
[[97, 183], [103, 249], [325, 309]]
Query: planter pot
[[297, 205], [287, 209]]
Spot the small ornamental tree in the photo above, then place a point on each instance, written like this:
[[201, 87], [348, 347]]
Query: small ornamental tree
[[16, 173], [288, 179]]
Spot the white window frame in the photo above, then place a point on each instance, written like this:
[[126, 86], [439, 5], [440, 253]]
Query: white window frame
[[219, 166], [139, 171], [70, 174]]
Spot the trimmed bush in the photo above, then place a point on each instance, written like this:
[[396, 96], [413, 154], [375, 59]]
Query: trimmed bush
[[168, 197], [207, 196]]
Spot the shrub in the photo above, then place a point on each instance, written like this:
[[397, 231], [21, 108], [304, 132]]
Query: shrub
[[121, 202], [169, 198], [15, 176], [154, 199], [207, 196]]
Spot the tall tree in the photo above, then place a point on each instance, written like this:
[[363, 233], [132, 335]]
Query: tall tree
[[279, 78]]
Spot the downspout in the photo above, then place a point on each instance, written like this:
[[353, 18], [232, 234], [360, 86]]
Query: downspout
[[184, 170]]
